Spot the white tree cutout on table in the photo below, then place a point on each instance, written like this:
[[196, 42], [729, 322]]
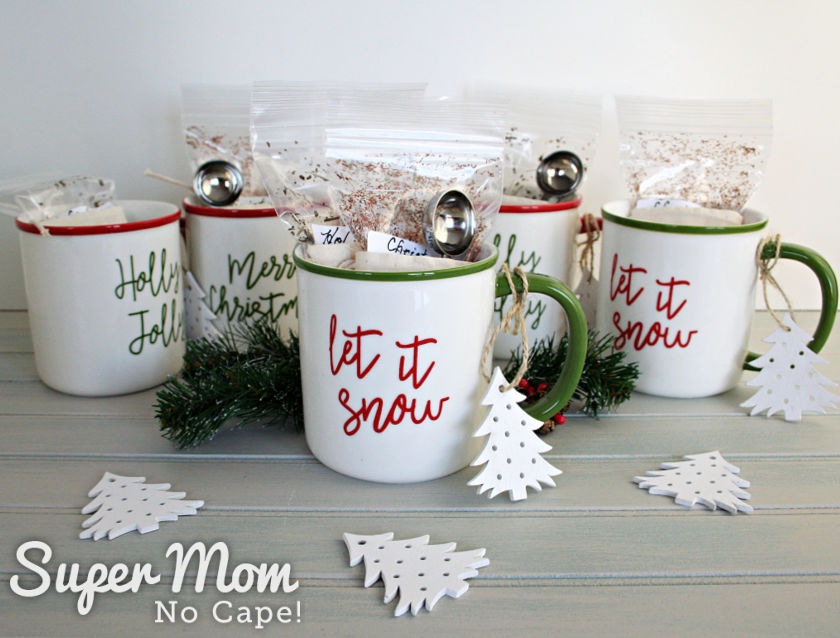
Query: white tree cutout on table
[[787, 378], [419, 572], [707, 479], [200, 320], [125, 503], [512, 451]]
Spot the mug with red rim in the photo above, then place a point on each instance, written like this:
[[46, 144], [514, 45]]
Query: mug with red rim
[[241, 259], [105, 302], [539, 237]]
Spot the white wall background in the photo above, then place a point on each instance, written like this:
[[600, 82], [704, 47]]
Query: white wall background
[[92, 86]]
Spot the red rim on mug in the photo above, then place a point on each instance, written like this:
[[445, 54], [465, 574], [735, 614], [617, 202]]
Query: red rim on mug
[[210, 211], [542, 207], [103, 229]]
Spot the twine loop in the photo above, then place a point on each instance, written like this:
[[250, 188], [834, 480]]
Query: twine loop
[[765, 275], [512, 322], [586, 261]]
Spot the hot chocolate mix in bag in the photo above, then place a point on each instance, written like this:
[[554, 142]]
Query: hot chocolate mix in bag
[[692, 162], [539, 122], [372, 161], [216, 121]]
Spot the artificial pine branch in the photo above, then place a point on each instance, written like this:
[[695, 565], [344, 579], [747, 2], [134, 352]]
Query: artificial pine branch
[[249, 374], [606, 380]]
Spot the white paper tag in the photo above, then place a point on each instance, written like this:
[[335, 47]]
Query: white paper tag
[[385, 243], [332, 234], [660, 203]]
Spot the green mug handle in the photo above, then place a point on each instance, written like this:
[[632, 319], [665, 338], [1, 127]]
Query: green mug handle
[[558, 396], [828, 288]]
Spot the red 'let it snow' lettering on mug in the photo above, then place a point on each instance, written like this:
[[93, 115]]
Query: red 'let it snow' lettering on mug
[[668, 301], [414, 367]]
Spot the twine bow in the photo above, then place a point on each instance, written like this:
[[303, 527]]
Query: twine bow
[[515, 312], [586, 261], [765, 275]]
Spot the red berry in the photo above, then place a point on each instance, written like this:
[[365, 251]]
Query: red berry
[[530, 391], [559, 419], [542, 387], [523, 383]]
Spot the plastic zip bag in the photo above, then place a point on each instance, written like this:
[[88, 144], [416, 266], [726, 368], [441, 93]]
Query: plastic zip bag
[[538, 124], [371, 156], [684, 153], [39, 199], [387, 161], [216, 123]]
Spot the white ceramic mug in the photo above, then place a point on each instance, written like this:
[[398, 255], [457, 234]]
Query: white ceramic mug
[[242, 260], [536, 236], [105, 302], [680, 299], [390, 365]]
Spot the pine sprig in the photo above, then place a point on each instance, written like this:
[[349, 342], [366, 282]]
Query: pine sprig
[[249, 374], [606, 380]]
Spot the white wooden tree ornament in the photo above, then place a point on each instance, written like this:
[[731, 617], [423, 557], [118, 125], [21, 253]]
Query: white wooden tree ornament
[[200, 320], [707, 479], [420, 572], [125, 503], [787, 378], [512, 453]]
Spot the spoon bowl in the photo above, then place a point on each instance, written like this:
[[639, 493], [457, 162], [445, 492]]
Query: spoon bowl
[[217, 183], [449, 223], [559, 174]]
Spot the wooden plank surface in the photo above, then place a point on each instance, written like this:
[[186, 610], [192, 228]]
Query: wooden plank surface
[[586, 484], [488, 609], [595, 556]]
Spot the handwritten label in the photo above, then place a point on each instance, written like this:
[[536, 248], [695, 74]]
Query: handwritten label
[[528, 262], [146, 280], [628, 283], [332, 234], [357, 351], [250, 275], [385, 243]]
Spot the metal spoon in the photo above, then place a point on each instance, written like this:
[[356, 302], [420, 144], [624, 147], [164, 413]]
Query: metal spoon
[[449, 223], [217, 183], [559, 174]]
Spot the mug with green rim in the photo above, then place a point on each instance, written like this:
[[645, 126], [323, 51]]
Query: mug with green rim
[[680, 299], [390, 364]]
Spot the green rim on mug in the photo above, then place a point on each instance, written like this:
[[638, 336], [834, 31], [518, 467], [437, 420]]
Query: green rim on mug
[[560, 394], [814, 261], [413, 275], [623, 220]]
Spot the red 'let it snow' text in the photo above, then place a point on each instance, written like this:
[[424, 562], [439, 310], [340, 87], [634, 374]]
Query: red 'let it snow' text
[[358, 350], [669, 300]]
